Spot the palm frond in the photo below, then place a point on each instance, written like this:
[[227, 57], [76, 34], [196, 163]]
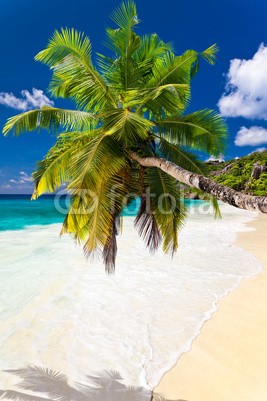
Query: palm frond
[[151, 49], [216, 207], [180, 156], [204, 130], [110, 247], [68, 54], [173, 69], [124, 42], [169, 212], [124, 125], [213, 201], [63, 43], [180, 69], [167, 98], [147, 226], [93, 216], [144, 52], [210, 54], [99, 184], [101, 224], [57, 167], [27, 121], [101, 157], [50, 118], [125, 16]]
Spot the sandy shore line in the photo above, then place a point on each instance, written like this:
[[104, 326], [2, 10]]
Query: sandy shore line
[[228, 360]]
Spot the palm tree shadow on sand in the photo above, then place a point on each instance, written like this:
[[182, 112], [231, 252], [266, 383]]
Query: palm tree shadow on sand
[[54, 386]]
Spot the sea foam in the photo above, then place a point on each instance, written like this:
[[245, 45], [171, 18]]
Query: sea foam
[[60, 311]]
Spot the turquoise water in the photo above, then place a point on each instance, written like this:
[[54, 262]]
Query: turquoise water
[[18, 211]]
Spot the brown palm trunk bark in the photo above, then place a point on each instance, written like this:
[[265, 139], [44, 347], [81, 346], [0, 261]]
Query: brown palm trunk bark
[[227, 195]]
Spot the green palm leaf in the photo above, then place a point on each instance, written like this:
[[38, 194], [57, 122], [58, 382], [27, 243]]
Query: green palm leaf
[[124, 42], [147, 226], [68, 53], [179, 156], [58, 167], [97, 213], [126, 126], [169, 97], [125, 16], [49, 118], [99, 158], [204, 130], [169, 212]]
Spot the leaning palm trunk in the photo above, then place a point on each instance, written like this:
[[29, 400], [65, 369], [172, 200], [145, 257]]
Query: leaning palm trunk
[[205, 184]]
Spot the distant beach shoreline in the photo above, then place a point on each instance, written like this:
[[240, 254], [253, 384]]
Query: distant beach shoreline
[[228, 360]]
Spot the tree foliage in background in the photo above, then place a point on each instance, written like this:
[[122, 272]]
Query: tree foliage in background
[[238, 173]]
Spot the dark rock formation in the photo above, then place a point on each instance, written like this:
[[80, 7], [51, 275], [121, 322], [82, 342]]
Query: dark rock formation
[[258, 169]]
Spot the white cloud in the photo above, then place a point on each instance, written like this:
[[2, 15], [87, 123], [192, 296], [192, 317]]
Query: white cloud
[[252, 136], [246, 88], [28, 101], [212, 158], [23, 178]]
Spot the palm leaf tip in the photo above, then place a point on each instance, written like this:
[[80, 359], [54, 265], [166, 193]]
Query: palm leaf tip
[[125, 16], [62, 43], [147, 227], [210, 53], [110, 248]]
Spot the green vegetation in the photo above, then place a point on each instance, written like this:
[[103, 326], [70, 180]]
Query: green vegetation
[[237, 174]]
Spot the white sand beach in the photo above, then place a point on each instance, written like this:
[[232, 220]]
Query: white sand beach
[[62, 312], [228, 360]]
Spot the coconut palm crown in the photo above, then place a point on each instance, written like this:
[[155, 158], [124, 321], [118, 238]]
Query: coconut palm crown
[[133, 102]]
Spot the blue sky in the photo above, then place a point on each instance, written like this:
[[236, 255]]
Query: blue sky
[[238, 27]]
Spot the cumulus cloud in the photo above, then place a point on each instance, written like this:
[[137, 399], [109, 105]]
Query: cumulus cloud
[[28, 101], [246, 88], [252, 136], [23, 178]]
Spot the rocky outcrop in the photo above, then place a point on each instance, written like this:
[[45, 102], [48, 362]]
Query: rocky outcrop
[[258, 169], [223, 171]]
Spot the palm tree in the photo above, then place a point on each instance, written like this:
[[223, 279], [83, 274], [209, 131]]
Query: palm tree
[[128, 134]]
